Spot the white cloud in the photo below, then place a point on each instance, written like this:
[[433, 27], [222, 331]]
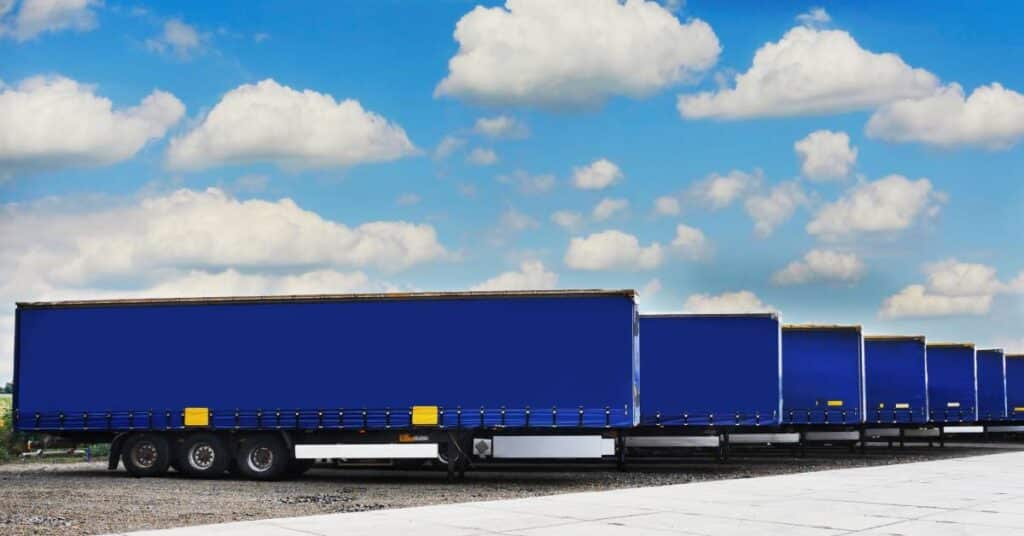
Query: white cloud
[[742, 301], [38, 16], [889, 204], [992, 117], [501, 127], [178, 38], [667, 205], [268, 122], [821, 265], [69, 247], [447, 146], [597, 175], [609, 207], [482, 157], [527, 183], [531, 276], [55, 122], [574, 52], [771, 210], [612, 250], [811, 71], [1011, 345], [650, 289], [719, 191], [231, 282], [408, 200], [815, 17], [567, 219], [691, 243], [952, 288], [917, 301], [954, 278], [826, 155], [515, 221]]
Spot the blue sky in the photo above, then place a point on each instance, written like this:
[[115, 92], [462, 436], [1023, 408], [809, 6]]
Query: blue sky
[[901, 213]]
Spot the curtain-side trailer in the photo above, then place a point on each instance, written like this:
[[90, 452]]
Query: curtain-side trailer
[[265, 385]]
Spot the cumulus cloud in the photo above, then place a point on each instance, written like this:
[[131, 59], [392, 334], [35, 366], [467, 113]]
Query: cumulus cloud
[[889, 204], [821, 265], [448, 146], [691, 243], [531, 276], [991, 117], [501, 127], [952, 288], [667, 205], [609, 207], [811, 71], [826, 155], [719, 191], [597, 175], [515, 221], [917, 301], [612, 250], [773, 209], [33, 17], [742, 301], [177, 38], [482, 157], [540, 53], [567, 219], [816, 16], [201, 229], [56, 122], [651, 288], [269, 122], [408, 200], [527, 183]]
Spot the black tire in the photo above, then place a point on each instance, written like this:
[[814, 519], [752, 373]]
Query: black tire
[[262, 457], [297, 468], [146, 455], [203, 455]]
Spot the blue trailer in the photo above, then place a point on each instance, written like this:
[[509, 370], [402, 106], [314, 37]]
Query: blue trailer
[[991, 385], [822, 375], [1015, 386], [952, 383], [896, 379], [201, 383], [704, 370]]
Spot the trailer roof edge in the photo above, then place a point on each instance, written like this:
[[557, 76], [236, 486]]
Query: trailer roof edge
[[710, 315], [894, 338], [314, 298], [798, 327], [1015, 356], [951, 344]]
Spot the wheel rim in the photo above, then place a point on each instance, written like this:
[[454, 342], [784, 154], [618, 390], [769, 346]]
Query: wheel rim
[[201, 456], [261, 459], [145, 454]]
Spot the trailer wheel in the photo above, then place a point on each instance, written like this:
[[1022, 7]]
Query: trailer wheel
[[203, 455], [146, 455], [262, 457]]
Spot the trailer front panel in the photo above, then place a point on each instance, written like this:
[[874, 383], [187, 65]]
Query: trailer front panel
[[1015, 386], [952, 383], [896, 379], [991, 385], [822, 375], [711, 370]]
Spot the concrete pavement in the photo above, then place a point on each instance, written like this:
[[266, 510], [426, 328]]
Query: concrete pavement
[[980, 495]]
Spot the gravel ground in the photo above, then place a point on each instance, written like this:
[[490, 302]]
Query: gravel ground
[[84, 498]]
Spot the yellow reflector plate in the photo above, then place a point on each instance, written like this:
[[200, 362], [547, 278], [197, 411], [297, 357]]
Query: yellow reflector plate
[[902, 405], [881, 405], [1018, 409], [835, 403], [197, 416], [424, 415]]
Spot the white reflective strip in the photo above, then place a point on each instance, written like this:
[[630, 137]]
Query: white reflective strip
[[367, 451], [672, 441], [963, 429], [832, 436], [550, 446], [751, 439]]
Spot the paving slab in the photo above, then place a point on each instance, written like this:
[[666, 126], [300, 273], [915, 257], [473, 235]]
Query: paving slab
[[958, 496]]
